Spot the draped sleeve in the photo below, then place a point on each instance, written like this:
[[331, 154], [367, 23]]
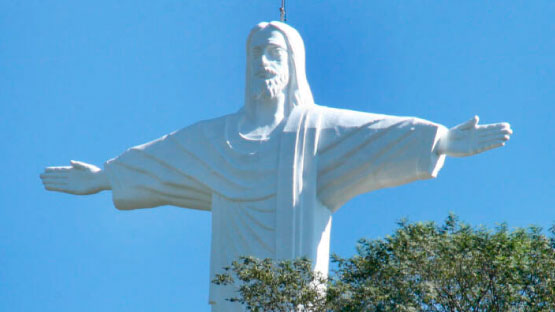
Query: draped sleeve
[[165, 171], [361, 152]]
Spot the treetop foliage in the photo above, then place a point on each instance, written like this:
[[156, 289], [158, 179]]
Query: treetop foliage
[[420, 267]]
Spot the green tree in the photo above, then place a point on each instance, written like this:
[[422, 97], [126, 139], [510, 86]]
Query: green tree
[[420, 267], [285, 286]]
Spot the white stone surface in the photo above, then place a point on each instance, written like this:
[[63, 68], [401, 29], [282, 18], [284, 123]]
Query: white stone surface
[[273, 173]]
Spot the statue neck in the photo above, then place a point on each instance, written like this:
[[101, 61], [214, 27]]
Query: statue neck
[[261, 116]]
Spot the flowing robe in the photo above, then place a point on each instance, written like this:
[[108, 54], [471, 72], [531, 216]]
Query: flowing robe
[[274, 198]]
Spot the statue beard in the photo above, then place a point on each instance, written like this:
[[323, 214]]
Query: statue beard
[[270, 88]]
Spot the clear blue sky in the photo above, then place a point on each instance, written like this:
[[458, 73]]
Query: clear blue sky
[[85, 81]]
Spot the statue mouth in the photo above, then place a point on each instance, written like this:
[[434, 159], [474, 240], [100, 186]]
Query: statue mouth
[[266, 73]]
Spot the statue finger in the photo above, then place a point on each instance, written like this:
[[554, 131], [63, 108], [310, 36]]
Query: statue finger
[[486, 145], [56, 188], [491, 146], [54, 180], [495, 137], [54, 174], [505, 131], [471, 123], [493, 131], [499, 125], [56, 168], [492, 143], [54, 184], [78, 164]]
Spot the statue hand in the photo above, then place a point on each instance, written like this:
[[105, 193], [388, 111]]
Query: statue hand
[[80, 179], [469, 138]]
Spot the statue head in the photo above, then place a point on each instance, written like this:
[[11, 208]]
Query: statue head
[[275, 64]]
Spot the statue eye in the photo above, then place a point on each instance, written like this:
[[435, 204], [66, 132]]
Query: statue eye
[[276, 52]]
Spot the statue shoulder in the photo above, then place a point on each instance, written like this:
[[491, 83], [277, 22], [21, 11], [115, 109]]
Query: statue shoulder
[[332, 118], [204, 129]]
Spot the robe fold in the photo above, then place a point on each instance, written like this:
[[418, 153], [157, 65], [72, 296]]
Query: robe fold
[[274, 198]]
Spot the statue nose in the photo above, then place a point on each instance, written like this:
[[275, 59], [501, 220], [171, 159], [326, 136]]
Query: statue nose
[[264, 59]]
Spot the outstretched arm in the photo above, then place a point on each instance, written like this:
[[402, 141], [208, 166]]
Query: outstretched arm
[[469, 138], [79, 179]]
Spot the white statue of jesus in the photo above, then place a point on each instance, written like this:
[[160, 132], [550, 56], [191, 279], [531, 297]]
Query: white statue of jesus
[[273, 173]]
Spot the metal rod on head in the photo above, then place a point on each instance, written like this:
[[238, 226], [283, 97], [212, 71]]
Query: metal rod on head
[[282, 16]]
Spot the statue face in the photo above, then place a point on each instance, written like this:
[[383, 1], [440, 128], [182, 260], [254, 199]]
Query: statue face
[[269, 63]]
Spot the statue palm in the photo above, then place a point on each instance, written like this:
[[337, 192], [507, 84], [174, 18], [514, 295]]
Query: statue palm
[[79, 179], [469, 138]]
